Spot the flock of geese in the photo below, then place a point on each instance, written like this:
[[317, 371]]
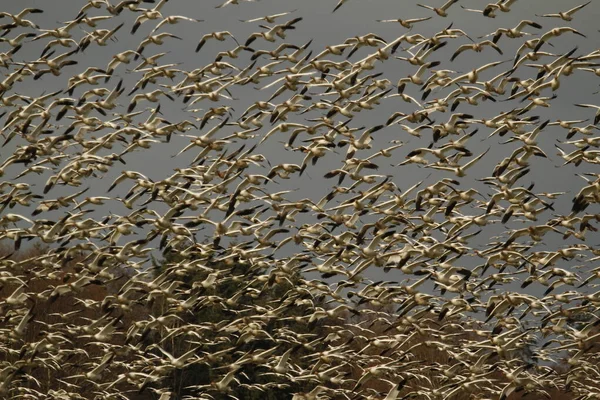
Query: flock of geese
[[467, 284]]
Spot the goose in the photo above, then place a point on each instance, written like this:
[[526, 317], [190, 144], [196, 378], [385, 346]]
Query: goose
[[585, 142], [55, 64], [335, 50], [18, 297], [108, 103], [154, 39], [19, 20], [53, 234], [406, 23], [373, 372], [529, 138], [268, 18], [515, 32], [489, 11], [527, 45], [149, 96], [59, 42], [112, 9], [275, 53], [439, 153], [92, 22], [579, 155], [273, 32], [234, 2], [447, 33], [148, 15], [214, 95], [27, 111], [370, 39], [283, 127], [592, 106], [181, 361], [203, 140], [459, 171], [61, 32], [88, 79], [565, 15], [91, 4], [441, 11], [405, 97], [282, 365], [537, 102], [339, 4], [387, 152], [472, 100], [102, 40], [473, 75], [416, 78], [149, 61], [454, 124], [5, 59], [16, 41], [422, 54], [127, 175], [535, 232], [220, 36], [555, 32], [414, 159], [585, 130], [502, 5], [225, 382], [172, 20], [563, 60], [595, 71], [477, 47]]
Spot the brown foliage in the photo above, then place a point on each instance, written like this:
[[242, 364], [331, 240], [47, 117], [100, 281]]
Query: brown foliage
[[71, 311]]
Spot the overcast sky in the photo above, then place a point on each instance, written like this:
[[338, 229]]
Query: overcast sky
[[356, 17]]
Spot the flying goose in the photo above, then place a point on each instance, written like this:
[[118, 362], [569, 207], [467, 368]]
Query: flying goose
[[19, 20], [407, 23], [565, 15], [220, 36], [148, 15], [154, 39], [515, 32], [554, 33], [441, 11], [477, 47]]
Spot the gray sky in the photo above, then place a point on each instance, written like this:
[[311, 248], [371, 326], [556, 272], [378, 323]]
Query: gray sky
[[324, 28]]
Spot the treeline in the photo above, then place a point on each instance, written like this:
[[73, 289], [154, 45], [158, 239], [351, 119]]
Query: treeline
[[229, 330]]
